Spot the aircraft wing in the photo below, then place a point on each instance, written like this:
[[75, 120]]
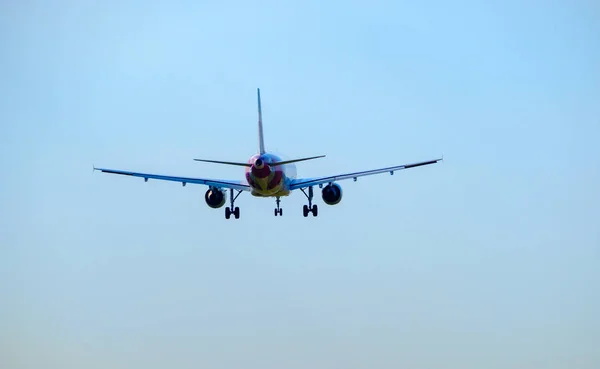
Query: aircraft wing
[[307, 182], [236, 185]]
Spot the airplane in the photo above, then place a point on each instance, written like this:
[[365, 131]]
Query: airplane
[[266, 175]]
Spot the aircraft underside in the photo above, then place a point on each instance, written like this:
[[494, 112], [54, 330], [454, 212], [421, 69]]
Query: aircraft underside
[[280, 193], [331, 194]]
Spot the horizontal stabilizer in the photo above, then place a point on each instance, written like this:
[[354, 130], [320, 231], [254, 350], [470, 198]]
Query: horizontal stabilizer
[[295, 160], [250, 165], [225, 162]]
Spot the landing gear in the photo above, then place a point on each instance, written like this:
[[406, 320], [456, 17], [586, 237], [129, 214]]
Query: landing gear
[[278, 210], [313, 209], [235, 212], [231, 209], [310, 208]]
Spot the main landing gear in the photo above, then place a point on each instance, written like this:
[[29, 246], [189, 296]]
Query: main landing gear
[[230, 209], [310, 208], [278, 210]]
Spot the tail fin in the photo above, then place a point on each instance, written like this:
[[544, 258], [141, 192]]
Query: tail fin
[[261, 140]]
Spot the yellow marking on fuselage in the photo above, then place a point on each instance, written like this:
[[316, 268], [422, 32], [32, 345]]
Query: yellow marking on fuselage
[[263, 184]]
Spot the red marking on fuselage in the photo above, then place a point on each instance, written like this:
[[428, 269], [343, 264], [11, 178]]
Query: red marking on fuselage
[[263, 172]]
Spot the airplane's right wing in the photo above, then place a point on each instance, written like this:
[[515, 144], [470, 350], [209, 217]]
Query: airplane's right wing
[[308, 182]]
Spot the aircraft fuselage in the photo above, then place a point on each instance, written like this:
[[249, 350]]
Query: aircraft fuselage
[[267, 180]]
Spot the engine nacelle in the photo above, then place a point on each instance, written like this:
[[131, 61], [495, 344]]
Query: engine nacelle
[[332, 194], [214, 198]]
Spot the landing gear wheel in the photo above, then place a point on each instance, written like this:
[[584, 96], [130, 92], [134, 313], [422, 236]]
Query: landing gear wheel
[[227, 213], [236, 212], [305, 210], [315, 210]]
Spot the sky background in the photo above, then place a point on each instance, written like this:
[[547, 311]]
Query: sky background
[[488, 259]]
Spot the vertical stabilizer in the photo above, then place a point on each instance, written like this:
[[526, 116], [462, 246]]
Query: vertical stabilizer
[[261, 141]]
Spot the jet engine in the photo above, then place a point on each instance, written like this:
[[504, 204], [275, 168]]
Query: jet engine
[[214, 198], [332, 194]]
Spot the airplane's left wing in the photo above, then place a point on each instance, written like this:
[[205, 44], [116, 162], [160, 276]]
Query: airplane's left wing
[[236, 185], [308, 182]]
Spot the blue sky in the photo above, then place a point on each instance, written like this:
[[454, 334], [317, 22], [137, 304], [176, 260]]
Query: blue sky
[[488, 259]]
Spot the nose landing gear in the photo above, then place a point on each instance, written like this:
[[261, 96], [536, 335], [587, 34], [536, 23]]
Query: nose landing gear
[[278, 210]]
